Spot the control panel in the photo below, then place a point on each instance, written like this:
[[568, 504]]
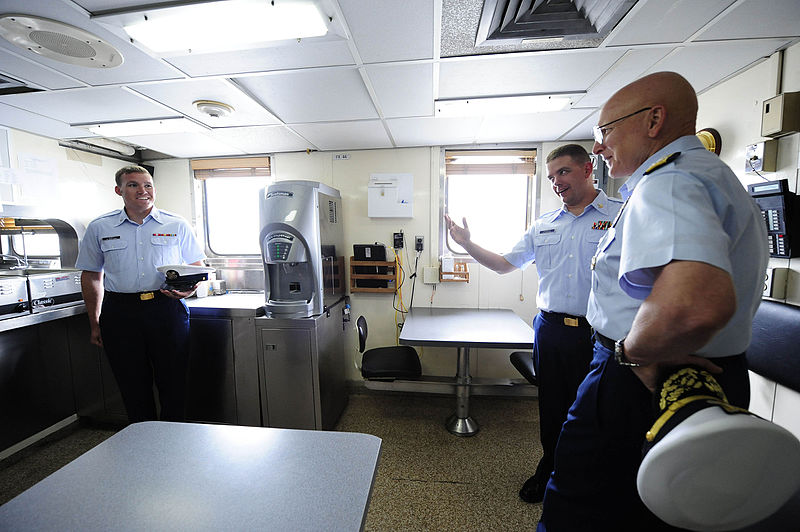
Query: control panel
[[779, 208]]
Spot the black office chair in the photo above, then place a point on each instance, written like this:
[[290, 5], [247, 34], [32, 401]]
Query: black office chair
[[523, 361], [386, 363]]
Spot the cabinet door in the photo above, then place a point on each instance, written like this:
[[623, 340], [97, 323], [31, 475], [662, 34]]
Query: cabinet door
[[288, 380], [211, 385], [35, 381]]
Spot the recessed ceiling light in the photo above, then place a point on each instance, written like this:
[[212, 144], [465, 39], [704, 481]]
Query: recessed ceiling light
[[132, 128], [219, 26], [58, 41], [504, 105]]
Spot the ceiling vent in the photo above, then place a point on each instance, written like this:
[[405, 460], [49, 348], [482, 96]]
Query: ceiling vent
[[522, 21], [58, 41]]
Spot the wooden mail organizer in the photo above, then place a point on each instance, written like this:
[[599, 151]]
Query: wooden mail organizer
[[391, 277]]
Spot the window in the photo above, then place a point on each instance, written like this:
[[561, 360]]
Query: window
[[231, 192], [493, 190]]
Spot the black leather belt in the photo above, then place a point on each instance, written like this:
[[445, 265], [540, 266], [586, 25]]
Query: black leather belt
[[605, 341], [566, 319], [134, 296]]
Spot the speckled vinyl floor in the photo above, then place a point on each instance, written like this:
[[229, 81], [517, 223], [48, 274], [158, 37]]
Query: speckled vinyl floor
[[427, 478]]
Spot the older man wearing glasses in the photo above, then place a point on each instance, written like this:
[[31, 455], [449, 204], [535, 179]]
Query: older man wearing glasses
[[675, 281]]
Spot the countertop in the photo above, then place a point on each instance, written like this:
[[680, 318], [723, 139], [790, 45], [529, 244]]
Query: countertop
[[230, 305]]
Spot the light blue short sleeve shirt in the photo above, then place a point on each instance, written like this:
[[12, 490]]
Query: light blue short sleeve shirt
[[695, 209], [128, 253], [562, 246]]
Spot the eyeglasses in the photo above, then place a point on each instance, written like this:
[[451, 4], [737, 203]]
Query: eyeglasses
[[601, 131]]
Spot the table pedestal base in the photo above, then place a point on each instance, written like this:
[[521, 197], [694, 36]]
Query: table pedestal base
[[461, 426]]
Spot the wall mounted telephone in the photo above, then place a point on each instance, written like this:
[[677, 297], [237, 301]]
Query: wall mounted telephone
[[780, 208]]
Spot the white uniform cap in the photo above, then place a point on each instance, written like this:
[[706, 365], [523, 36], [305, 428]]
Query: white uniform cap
[[717, 470]]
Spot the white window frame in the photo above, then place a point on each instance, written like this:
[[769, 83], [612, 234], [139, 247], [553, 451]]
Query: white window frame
[[531, 203]]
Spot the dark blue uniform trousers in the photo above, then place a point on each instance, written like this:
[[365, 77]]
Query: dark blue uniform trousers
[[147, 340], [561, 357], [593, 485]]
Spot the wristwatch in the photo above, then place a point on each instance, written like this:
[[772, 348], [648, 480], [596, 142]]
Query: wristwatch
[[619, 354]]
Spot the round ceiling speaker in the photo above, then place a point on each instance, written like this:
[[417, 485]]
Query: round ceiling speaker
[[213, 108], [58, 41]]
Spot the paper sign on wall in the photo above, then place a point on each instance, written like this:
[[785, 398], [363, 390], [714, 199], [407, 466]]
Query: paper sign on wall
[[390, 196]]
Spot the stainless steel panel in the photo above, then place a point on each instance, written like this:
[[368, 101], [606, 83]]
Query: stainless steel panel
[[287, 388]]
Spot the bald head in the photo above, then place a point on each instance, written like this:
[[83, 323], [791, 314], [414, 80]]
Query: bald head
[[667, 89], [643, 117]]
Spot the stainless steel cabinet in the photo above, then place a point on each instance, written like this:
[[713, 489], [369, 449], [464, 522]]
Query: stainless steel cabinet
[[301, 367]]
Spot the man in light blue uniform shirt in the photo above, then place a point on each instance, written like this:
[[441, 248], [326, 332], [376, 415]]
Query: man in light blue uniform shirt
[[562, 243], [676, 281], [144, 329]]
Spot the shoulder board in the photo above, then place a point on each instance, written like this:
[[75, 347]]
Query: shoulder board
[[662, 162], [615, 200]]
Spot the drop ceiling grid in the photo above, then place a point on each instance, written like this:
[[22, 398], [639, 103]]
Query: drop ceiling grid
[[317, 95], [542, 72]]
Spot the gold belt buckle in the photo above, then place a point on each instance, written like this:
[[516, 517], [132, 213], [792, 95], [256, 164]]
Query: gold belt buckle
[[145, 296], [572, 322]]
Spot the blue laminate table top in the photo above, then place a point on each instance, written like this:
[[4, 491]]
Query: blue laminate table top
[[185, 476], [466, 327]]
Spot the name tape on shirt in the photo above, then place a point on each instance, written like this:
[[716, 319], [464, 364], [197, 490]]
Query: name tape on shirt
[[110, 238]]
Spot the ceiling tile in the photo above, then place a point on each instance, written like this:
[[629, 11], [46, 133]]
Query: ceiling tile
[[23, 120], [304, 54], [403, 90], [677, 21], [530, 73], [632, 66], [388, 30], [704, 64], [757, 18], [33, 73], [184, 145], [104, 104], [179, 95], [316, 95], [262, 139], [364, 134], [536, 127], [434, 131]]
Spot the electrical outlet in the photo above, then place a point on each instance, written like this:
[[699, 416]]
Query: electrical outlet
[[398, 240], [418, 243]]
